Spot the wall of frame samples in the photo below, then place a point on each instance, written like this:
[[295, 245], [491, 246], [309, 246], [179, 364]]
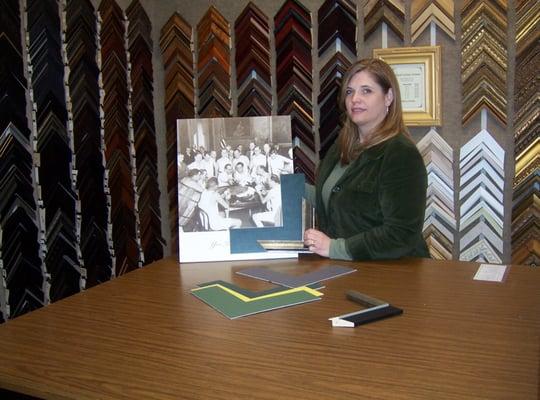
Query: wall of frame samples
[[90, 92]]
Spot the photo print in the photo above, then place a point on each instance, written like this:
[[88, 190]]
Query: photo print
[[229, 175]]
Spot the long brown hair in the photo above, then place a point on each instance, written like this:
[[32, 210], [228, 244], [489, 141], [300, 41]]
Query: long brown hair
[[392, 125]]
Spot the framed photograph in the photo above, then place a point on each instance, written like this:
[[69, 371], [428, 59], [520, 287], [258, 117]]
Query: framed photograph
[[229, 177], [418, 71]]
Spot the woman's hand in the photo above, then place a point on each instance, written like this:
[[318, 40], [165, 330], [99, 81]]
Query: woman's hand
[[317, 242]]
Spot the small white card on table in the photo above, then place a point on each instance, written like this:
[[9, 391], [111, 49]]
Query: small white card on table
[[490, 272]]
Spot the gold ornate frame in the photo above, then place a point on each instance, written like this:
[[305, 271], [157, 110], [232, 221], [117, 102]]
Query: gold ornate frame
[[420, 69]]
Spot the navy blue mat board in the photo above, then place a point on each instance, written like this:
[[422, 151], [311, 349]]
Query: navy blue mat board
[[292, 191]]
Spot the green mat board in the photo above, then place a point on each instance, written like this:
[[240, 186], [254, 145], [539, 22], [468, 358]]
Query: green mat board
[[233, 307]]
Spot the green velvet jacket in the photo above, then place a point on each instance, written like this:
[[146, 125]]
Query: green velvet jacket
[[378, 204]]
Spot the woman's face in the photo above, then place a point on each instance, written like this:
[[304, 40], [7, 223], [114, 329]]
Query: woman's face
[[366, 101]]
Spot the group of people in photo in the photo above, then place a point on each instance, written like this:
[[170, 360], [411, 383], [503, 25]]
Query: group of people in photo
[[236, 179]]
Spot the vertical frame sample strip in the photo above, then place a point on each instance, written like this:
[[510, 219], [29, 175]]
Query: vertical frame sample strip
[[526, 195], [389, 12], [116, 135], [214, 65], [481, 163], [81, 49], [53, 146], [253, 75], [425, 12], [144, 131], [337, 50], [294, 71], [484, 58], [22, 279], [176, 43], [440, 218]]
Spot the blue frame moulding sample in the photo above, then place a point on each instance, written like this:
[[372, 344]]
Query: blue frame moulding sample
[[377, 310]]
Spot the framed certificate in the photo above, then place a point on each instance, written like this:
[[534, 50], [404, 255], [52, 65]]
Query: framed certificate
[[418, 71]]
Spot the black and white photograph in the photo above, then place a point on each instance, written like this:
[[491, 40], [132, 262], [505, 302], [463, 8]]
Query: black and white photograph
[[229, 172]]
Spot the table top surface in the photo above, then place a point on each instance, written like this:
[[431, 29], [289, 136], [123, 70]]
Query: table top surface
[[144, 335]]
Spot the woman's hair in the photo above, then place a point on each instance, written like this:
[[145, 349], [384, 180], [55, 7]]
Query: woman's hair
[[392, 125]]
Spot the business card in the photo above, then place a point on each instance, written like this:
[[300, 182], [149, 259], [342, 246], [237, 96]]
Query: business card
[[490, 273]]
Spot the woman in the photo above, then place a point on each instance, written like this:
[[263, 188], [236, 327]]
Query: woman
[[370, 192]]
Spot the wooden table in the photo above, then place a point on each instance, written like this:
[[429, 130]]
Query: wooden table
[[144, 335]]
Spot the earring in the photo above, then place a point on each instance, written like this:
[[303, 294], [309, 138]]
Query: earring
[[386, 109]]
